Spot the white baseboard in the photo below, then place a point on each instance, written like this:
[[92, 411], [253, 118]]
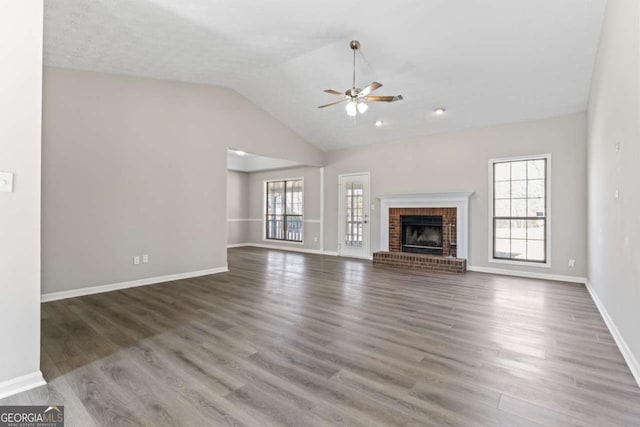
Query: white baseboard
[[20, 384], [53, 296], [292, 249], [289, 248], [308, 221], [237, 245], [518, 273], [280, 248], [629, 357], [368, 257]]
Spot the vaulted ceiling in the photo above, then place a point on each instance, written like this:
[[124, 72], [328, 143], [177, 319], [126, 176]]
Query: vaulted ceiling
[[488, 62]]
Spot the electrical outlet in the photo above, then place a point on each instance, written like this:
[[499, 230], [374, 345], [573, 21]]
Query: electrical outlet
[[572, 263], [617, 148], [315, 239], [136, 260], [617, 194], [145, 258]]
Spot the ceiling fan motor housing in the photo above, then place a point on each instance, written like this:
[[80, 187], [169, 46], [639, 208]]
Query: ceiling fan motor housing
[[353, 92]]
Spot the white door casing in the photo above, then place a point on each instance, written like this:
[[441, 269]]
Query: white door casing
[[354, 215]]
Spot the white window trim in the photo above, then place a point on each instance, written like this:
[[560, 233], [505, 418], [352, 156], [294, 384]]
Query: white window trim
[[491, 259], [264, 206]]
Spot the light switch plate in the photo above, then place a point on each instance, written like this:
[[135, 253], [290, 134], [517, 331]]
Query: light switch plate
[[6, 182]]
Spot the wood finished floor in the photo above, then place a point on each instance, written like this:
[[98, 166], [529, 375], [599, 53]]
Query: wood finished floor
[[302, 340]]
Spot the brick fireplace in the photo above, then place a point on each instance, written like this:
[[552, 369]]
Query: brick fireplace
[[424, 231], [448, 237]]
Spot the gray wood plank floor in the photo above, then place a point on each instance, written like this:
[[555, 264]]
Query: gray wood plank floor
[[303, 340]]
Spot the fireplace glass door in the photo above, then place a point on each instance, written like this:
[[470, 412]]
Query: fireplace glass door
[[422, 234]]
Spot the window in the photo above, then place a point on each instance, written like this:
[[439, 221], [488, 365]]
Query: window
[[354, 215], [520, 209], [284, 216]]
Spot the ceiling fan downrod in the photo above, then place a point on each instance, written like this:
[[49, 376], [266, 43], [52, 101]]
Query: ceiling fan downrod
[[355, 45]]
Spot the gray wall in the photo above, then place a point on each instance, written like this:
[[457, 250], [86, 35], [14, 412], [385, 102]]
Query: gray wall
[[237, 207], [311, 177], [459, 162], [20, 112], [245, 206], [614, 223], [138, 166]]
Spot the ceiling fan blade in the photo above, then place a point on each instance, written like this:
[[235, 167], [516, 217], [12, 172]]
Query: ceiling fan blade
[[383, 98], [367, 90], [335, 92], [333, 103]]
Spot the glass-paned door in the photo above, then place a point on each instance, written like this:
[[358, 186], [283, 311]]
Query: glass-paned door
[[354, 215]]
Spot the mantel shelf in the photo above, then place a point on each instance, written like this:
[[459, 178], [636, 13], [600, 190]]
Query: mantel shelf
[[426, 196]]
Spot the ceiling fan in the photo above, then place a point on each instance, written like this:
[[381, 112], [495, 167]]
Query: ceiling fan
[[355, 97]]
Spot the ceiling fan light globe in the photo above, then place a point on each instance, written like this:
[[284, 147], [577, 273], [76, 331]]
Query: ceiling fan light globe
[[352, 109], [362, 107]]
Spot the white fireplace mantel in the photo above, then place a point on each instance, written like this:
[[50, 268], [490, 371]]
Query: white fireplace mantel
[[460, 201]]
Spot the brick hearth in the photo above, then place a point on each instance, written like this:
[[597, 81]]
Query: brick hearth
[[445, 263], [421, 262]]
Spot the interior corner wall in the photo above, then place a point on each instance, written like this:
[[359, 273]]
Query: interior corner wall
[[136, 166], [237, 207], [614, 167], [21, 25], [458, 162], [312, 197]]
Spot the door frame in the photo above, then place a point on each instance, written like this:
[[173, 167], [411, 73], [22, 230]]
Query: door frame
[[367, 230]]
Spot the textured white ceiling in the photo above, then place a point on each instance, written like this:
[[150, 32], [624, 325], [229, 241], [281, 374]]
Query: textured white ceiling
[[487, 61]]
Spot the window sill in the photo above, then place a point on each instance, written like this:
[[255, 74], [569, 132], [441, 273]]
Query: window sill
[[520, 263]]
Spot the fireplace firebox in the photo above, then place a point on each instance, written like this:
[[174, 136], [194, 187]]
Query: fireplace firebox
[[422, 234]]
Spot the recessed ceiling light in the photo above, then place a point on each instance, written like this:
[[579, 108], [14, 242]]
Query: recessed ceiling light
[[241, 153], [378, 123], [439, 111]]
